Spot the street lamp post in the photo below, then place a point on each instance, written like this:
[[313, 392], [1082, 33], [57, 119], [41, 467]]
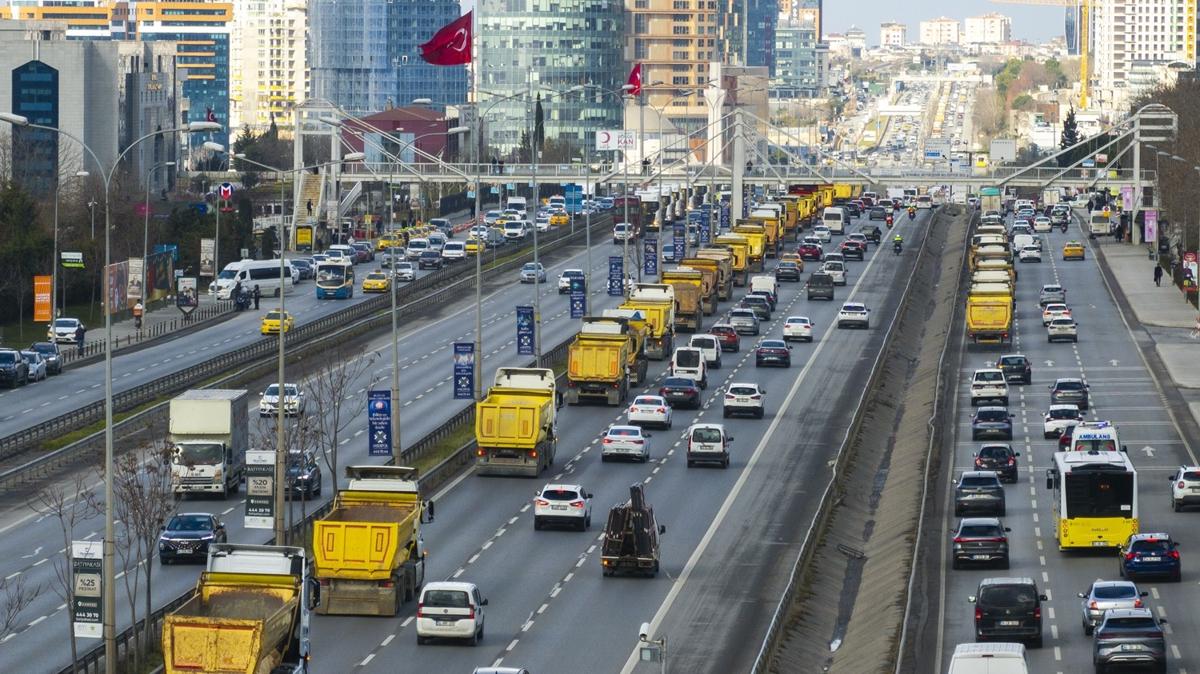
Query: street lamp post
[[621, 94], [109, 555], [146, 229]]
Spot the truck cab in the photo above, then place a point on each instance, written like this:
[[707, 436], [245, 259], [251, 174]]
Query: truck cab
[[209, 431]]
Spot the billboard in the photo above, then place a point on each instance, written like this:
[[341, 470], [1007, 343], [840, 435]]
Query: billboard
[[379, 422], [1003, 150], [87, 607], [186, 298], [117, 278], [208, 248], [133, 287], [42, 299], [615, 140], [160, 274]]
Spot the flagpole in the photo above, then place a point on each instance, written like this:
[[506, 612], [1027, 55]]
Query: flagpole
[[477, 142]]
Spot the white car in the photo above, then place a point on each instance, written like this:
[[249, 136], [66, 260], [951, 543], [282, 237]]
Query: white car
[[415, 248], [1185, 487], [854, 314], [454, 251], [649, 411], [1030, 254], [708, 443], [989, 384], [744, 398], [1059, 417], [294, 401], [62, 330], [565, 504], [564, 280], [404, 271], [797, 328], [822, 234], [1054, 310], [836, 270], [625, 441], [450, 610], [1042, 224], [1062, 329], [515, 230]]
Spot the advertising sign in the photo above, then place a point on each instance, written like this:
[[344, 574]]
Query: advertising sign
[[1002, 150], [574, 196], [1190, 272], [260, 489], [724, 216], [42, 300], [615, 140], [464, 370], [208, 255], [304, 237], [186, 298], [87, 576], [616, 273], [1151, 225], [117, 277], [1127, 198], [379, 422], [525, 330], [650, 256], [71, 260], [160, 274], [680, 242], [578, 298], [133, 287]]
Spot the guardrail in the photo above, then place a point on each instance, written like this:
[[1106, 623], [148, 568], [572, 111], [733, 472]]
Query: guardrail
[[93, 350], [820, 519], [181, 380], [92, 661]]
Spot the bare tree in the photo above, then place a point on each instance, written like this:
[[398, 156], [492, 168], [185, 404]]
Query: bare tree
[[332, 388], [15, 597], [143, 502], [299, 439], [69, 505]]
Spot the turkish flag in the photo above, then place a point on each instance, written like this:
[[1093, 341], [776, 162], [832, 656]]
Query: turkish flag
[[450, 46], [635, 80]]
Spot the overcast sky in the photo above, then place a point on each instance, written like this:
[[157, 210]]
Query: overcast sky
[[1030, 22]]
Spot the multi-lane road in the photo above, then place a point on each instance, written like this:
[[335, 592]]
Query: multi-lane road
[[1122, 391]]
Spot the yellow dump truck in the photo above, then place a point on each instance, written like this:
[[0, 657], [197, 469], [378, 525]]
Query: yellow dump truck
[[516, 425], [989, 252], [989, 313], [720, 262], [604, 360], [756, 236], [249, 614], [709, 281], [997, 265], [657, 303], [791, 213], [842, 192], [689, 294], [369, 557], [739, 246], [770, 216]]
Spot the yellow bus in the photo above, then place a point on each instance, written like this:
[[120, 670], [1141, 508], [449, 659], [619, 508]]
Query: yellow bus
[[1095, 499]]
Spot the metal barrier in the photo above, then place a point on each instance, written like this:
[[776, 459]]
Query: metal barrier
[[92, 351]]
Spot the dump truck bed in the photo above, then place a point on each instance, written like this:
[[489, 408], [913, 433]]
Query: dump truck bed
[[365, 535], [513, 418]]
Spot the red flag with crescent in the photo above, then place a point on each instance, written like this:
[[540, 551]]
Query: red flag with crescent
[[635, 80], [451, 45]]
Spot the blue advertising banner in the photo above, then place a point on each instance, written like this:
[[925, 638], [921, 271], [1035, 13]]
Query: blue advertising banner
[[574, 196], [724, 216], [650, 256], [616, 274], [525, 330], [464, 370], [379, 422], [578, 298], [680, 242]]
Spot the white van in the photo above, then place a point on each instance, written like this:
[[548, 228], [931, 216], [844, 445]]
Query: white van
[[415, 248], [437, 241], [517, 204], [689, 362], [993, 658], [766, 283], [261, 273], [835, 218], [345, 251], [1099, 224], [711, 348], [514, 229]]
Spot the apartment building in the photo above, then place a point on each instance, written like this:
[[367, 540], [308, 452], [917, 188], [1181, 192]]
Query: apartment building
[[1141, 32], [674, 40], [940, 31], [988, 29], [268, 63], [893, 34]]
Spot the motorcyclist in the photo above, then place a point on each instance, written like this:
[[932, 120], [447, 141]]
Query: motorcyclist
[[897, 243], [889, 220], [912, 212]]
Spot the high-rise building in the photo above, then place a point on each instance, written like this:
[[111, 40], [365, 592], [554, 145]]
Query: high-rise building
[[748, 31], [269, 64], [1071, 30], [940, 31], [363, 54], [893, 34], [803, 10], [1129, 31], [674, 40], [527, 48], [800, 61], [988, 29]]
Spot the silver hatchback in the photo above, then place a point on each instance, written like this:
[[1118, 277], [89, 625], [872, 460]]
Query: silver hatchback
[[744, 321], [1104, 595]]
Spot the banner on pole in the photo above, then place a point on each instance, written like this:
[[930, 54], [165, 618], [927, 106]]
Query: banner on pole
[[133, 286], [87, 576], [464, 370], [379, 422], [71, 260], [207, 257], [578, 297], [260, 489], [1151, 225], [186, 299], [680, 242], [650, 256], [525, 330], [117, 277], [616, 275], [1191, 272], [42, 301]]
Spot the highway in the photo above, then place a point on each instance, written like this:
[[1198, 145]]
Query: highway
[[1123, 392]]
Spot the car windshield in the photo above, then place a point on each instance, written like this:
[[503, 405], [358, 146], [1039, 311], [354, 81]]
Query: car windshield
[[189, 523], [377, 276], [980, 531], [1069, 386], [995, 452], [1022, 597], [706, 435], [743, 390], [8, 358], [743, 314], [678, 382], [1114, 592], [1013, 361], [647, 400], [227, 274], [446, 599], [1191, 475], [687, 358], [30, 357], [978, 481], [1062, 322], [273, 390], [704, 342], [272, 315], [774, 344], [529, 266], [625, 431], [991, 415], [1064, 413], [1150, 546], [199, 454], [43, 347], [989, 376], [71, 322], [560, 494]]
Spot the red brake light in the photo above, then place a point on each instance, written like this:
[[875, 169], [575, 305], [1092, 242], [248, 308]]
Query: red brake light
[[1137, 603], [479, 452], [533, 453], [1012, 460], [1037, 612], [385, 583], [608, 441], [978, 461], [576, 504], [729, 396], [662, 410], [541, 502], [978, 614], [420, 609], [756, 396], [471, 613], [958, 539], [1181, 485], [1174, 554], [1129, 556]]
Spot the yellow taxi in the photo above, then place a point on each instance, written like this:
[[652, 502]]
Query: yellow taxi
[[375, 282], [559, 219], [473, 246], [792, 257], [1073, 250], [271, 322]]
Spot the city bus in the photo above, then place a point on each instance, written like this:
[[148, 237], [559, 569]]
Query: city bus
[[1095, 499], [335, 279]]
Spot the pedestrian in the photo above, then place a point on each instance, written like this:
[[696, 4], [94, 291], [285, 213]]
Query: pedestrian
[[257, 295], [80, 333], [309, 205], [1158, 274]]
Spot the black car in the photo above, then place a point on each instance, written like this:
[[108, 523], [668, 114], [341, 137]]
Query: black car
[[1016, 367], [757, 304], [1070, 391], [14, 371], [878, 213], [980, 540], [992, 422], [766, 295], [681, 392], [430, 259], [979, 491], [304, 268], [52, 354], [819, 286], [188, 535], [787, 271], [852, 249], [1008, 609], [773, 352], [852, 209], [999, 458], [873, 233], [303, 475]]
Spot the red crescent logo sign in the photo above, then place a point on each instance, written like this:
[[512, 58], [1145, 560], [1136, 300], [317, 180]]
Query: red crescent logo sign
[[605, 138]]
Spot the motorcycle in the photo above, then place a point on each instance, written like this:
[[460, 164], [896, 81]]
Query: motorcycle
[[889, 221], [912, 215], [897, 247], [1063, 226], [242, 301]]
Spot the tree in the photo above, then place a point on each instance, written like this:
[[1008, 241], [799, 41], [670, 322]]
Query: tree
[[539, 127], [68, 506], [331, 389], [1070, 131], [299, 438], [24, 248], [15, 597]]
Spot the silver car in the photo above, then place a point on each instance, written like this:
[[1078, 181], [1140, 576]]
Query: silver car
[[744, 321], [1052, 294], [404, 271], [1104, 595]]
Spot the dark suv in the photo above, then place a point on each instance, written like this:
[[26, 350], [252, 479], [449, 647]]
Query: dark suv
[[979, 491], [991, 422], [1150, 554], [873, 233], [788, 271], [1130, 636], [998, 458], [980, 540], [303, 475], [1008, 609], [1016, 367], [820, 286], [1070, 391], [758, 304], [14, 371]]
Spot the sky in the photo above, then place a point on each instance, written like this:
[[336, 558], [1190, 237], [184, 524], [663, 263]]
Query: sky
[[1030, 22]]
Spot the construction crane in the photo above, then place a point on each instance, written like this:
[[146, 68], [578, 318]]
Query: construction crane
[[1085, 38]]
